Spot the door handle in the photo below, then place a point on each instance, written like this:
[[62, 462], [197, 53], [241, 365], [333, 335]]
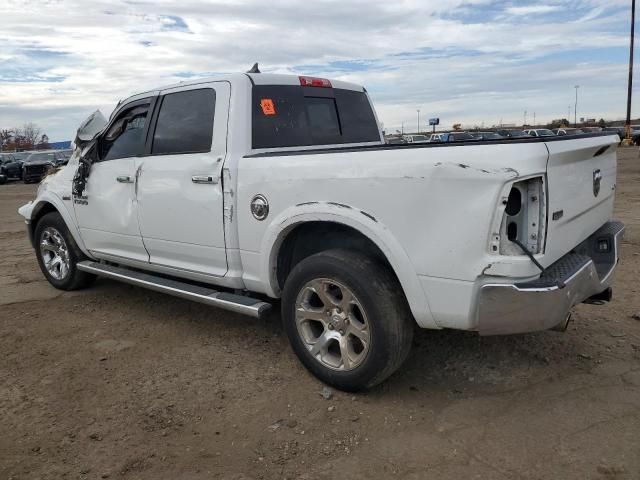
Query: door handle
[[204, 179], [124, 179]]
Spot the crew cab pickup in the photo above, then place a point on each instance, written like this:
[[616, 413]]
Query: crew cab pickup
[[242, 189]]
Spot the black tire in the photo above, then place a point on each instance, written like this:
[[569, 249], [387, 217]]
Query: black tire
[[390, 323], [74, 278]]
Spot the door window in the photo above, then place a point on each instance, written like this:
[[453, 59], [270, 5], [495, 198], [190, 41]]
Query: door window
[[125, 137], [185, 122]]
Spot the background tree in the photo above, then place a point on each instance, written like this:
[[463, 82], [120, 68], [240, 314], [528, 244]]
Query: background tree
[[30, 134], [6, 137], [43, 143]]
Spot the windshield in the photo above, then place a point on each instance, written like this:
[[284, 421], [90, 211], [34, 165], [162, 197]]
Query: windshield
[[40, 157], [420, 138]]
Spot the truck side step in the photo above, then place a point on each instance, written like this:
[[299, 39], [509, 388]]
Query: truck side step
[[228, 301]]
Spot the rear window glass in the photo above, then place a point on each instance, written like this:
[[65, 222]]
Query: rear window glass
[[293, 116], [185, 122]]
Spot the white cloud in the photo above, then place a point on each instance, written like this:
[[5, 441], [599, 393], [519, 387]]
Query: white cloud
[[532, 9], [464, 60]]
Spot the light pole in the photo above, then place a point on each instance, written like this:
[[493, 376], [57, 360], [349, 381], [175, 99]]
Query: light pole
[[418, 121], [525, 119], [575, 110], [569, 116], [627, 124]]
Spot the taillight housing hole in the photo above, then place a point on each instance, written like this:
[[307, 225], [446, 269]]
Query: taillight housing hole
[[512, 231], [514, 203]]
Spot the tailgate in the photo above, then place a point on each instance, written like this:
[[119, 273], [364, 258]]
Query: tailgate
[[581, 179]]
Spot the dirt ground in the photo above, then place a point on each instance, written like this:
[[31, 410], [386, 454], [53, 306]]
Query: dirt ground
[[120, 382]]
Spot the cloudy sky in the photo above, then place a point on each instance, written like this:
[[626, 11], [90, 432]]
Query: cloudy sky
[[470, 61]]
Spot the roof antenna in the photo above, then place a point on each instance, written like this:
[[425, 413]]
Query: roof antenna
[[254, 69]]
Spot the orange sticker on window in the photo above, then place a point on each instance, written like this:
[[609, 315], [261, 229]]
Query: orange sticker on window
[[267, 106]]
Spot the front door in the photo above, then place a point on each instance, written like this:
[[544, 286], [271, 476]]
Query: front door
[[107, 212], [179, 194]]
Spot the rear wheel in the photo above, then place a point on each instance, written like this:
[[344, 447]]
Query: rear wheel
[[347, 319], [58, 254]]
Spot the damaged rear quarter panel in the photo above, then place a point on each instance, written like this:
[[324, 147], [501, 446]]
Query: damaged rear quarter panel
[[436, 203]]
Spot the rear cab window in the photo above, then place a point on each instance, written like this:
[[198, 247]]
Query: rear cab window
[[296, 116], [185, 122]]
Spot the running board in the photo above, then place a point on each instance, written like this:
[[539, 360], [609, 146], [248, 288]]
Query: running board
[[228, 301]]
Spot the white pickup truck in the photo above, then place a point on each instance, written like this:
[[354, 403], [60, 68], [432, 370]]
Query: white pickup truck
[[237, 190]]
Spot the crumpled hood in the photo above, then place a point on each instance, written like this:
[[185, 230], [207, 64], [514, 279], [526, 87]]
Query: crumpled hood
[[86, 149], [92, 125]]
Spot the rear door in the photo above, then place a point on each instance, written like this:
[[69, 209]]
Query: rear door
[[581, 186], [179, 189]]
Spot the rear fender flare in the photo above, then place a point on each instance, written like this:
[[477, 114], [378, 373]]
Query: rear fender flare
[[359, 220]]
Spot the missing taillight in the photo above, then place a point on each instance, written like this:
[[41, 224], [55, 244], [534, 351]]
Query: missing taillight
[[523, 220], [514, 203]]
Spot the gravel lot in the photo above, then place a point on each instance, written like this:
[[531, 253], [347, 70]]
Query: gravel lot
[[119, 382]]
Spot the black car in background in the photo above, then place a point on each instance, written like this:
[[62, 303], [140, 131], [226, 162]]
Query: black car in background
[[635, 134], [513, 133], [11, 164], [487, 135], [62, 157], [36, 165]]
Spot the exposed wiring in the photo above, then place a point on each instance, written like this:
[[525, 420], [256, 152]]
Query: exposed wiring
[[529, 254], [560, 283]]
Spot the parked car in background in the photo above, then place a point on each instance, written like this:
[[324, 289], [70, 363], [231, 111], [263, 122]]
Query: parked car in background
[[487, 135], [6, 157], [635, 134], [36, 165], [11, 165], [62, 157], [568, 131], [513, 133], [395, 141], [616, 130], [540, 132], [452, 137], [416, 138]]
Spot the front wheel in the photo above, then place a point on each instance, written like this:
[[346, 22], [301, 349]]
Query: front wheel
[[58, 254], [347, 319]]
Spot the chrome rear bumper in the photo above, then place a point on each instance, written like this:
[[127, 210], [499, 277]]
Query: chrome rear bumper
[[545, 303]]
